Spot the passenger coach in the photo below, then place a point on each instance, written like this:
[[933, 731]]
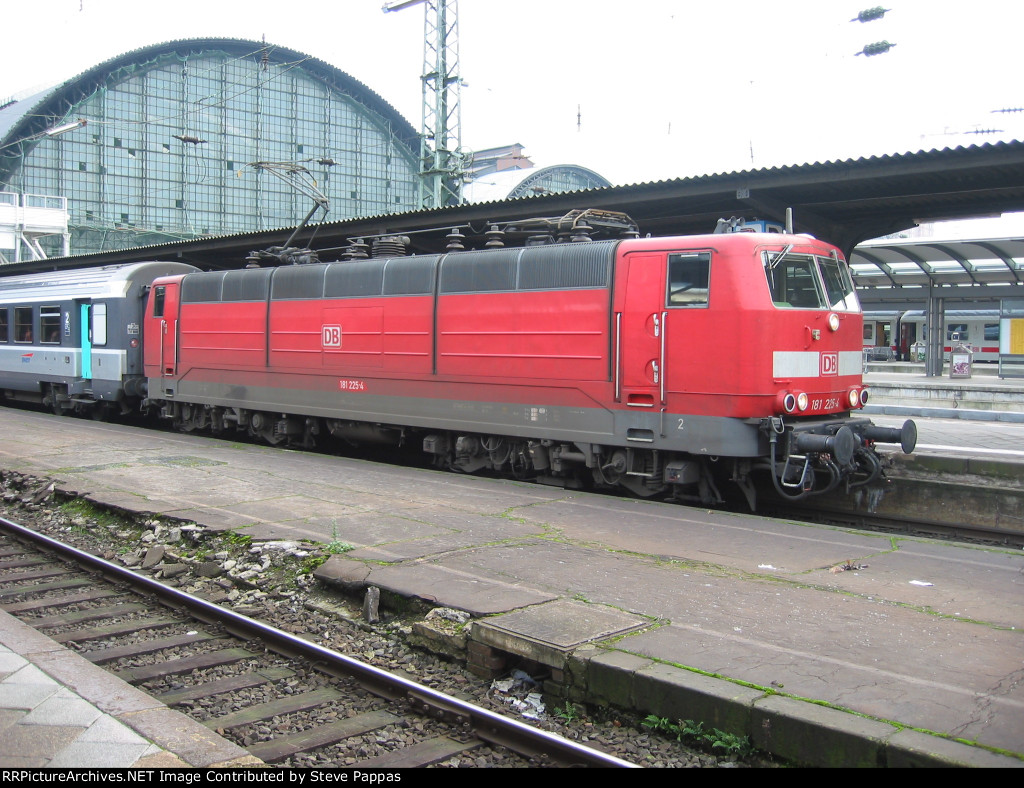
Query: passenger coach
[[72, 340]]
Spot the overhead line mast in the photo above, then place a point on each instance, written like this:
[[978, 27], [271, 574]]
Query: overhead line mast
[[442, 162]]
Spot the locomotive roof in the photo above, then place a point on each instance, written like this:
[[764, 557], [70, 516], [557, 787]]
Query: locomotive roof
[[111, 281]]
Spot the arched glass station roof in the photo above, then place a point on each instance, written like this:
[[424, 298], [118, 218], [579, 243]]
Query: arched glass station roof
[[516, 183], [161, 143]]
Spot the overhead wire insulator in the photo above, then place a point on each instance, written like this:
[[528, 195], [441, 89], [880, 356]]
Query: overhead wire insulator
[[455, 240], [390, 246], [871, 14], [875, 49]]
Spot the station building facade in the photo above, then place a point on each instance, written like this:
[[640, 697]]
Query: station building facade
[[159, 145]]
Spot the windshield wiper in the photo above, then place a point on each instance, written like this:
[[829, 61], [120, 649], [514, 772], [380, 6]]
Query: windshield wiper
[[778, 258]]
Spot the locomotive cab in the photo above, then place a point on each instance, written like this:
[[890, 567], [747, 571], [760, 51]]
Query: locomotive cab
[[744, 346], [818, 330]]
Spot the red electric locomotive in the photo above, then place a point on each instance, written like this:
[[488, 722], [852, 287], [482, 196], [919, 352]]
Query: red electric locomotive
[[656, 364]]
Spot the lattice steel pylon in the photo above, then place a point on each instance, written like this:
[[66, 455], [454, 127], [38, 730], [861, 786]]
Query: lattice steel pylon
[[442, 161]]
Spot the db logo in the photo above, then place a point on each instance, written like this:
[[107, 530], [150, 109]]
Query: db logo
[[330, 336], [829, 364]]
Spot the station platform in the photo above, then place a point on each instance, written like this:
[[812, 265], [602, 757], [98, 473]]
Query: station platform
[[825, 646], [903, 389]]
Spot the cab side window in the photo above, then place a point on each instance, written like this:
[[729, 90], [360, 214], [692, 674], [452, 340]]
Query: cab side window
[[158, 300], [688, 277]]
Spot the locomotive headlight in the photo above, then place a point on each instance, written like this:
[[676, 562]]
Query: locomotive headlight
[[833, 321], [854, 398], [792, 401]]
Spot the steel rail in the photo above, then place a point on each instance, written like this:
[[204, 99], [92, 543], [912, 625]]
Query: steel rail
[[487, 725]]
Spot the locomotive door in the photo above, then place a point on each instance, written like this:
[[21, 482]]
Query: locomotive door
[[162, 326], [640, 333]]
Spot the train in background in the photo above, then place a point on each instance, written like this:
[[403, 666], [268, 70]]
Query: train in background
[[660, 366], [890, 335]]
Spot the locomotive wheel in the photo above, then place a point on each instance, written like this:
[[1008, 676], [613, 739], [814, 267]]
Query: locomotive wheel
[[261, 425], [646, 480], [611, 473], [641, 487], [181, 421]]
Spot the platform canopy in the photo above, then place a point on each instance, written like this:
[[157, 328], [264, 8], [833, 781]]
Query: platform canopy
[[909, 271], [843, 202]]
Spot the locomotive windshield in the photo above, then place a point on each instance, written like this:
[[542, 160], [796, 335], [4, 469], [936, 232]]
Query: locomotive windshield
[[804, 281], [839, 290]]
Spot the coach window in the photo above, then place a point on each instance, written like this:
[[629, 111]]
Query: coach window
[[688, 276], [99, 324], [3, 325], [49, 325], [22, 324], [158, 301]]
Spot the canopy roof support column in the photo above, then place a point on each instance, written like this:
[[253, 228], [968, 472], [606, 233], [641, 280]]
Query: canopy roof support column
[[936, 332]]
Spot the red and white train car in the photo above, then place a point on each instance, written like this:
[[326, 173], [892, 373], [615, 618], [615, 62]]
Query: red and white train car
[[654, 364]]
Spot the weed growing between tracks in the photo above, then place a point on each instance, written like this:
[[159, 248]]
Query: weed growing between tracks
[[694, 733]]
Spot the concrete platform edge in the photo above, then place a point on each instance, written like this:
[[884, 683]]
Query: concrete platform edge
[[190, 741], [796, 729], [965, 414]]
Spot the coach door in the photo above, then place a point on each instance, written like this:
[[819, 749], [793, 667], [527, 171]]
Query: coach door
[[640, 333], [85, 344]]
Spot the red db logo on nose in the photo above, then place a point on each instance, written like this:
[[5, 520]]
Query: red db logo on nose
[[829, 363]]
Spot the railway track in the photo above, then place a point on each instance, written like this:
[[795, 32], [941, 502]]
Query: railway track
[[287, 700], [819, 512]]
